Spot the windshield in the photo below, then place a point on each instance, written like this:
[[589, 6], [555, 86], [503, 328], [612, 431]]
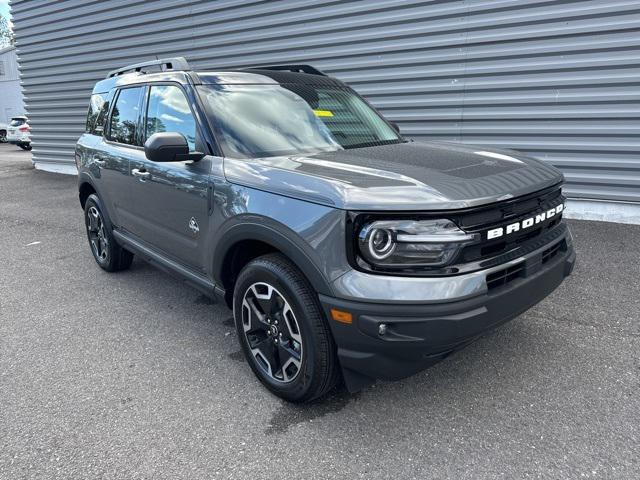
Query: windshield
[[271, 120]]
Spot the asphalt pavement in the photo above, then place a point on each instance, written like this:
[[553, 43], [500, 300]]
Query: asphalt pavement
[[135, 375]]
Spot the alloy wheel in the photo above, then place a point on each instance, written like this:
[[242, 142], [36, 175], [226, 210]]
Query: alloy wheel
[[97, 234], [272, 332]]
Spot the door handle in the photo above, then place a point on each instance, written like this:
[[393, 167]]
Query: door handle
[[141, 173]]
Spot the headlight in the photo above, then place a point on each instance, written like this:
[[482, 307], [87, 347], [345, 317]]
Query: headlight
[[402, 244]]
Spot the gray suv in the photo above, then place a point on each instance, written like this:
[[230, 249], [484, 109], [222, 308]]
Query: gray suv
[[347, 252]]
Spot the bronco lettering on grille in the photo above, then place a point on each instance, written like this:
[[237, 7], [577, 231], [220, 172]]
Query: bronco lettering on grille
[[524, 224]]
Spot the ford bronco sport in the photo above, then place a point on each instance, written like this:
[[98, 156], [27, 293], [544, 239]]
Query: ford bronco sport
[[347, 252]]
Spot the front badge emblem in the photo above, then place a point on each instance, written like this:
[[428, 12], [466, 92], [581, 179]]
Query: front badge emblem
[[193, 225]]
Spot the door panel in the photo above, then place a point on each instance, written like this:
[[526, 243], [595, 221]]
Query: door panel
[[115, 163], [117, 148], [169, 208]]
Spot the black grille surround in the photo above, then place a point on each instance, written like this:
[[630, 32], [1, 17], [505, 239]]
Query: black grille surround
[[514, 213], [484, 253]]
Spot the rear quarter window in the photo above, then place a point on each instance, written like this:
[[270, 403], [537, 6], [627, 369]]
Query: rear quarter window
[[95, 107], [98, 108]]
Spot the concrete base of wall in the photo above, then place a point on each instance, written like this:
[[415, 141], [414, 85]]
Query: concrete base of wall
[[599, 210], [617, 212], [66, 168]]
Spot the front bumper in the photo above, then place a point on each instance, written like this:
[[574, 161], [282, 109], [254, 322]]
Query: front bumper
[[419, 335]]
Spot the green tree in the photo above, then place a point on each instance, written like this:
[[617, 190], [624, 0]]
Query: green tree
[[6, 34]]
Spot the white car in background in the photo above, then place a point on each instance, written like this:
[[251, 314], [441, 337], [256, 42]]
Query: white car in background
[[18, 132]]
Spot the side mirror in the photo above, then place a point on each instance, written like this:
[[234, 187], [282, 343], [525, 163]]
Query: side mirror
[[395, 126], [169, 147]]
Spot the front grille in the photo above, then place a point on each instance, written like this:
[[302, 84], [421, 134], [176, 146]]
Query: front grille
[[551, 252], [495, 214], [504, 214], [506, 275], [526, 248], [502, 277]]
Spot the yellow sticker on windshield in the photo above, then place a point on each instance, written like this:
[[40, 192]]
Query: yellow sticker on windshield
[[323, 113]]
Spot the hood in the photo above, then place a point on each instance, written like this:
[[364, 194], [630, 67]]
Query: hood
[[405, 176]]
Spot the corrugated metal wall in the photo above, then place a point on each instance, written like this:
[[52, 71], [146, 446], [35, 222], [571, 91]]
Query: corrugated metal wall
[[558, 79]]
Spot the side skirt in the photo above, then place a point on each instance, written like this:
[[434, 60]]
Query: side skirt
[[201, 283]]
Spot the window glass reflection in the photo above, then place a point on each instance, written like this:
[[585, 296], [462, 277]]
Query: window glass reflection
[[270, 120], [169, 111], [124, 118]]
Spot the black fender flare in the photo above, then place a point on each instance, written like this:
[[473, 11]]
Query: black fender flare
[[84, 177], [292, 246]]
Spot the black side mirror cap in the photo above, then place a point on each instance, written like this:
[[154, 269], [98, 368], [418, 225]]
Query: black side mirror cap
[[169, 147]]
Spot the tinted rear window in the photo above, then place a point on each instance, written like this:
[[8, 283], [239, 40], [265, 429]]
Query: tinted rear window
[[124, 117], [16, 122], [95, 109]]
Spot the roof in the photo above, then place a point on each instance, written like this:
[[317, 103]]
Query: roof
[[141, 78], [249, 76], [282, 76]]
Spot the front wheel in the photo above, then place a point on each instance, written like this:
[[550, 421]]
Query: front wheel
[[282, 330], [107, 253]]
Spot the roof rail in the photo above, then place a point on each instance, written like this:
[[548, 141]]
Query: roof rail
[[176, 63], [291, 68]]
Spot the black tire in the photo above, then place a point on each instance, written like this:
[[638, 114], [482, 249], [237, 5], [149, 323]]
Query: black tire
[[25, 146], [317, 371], [3, 136], [107, 253]]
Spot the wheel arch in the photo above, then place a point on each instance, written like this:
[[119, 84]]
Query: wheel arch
[[85, 188], [246, 241]]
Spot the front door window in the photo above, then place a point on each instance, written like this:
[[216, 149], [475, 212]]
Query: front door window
[[169, 111]]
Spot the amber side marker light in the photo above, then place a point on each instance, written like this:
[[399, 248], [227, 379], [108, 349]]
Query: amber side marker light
[[340, 316]]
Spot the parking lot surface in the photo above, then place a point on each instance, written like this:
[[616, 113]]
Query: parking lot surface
[[135, 375]]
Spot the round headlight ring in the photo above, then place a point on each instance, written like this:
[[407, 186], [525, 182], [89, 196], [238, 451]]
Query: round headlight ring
[[381, 243]]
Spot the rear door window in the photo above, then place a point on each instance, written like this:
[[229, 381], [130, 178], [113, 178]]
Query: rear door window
[[125, 116]]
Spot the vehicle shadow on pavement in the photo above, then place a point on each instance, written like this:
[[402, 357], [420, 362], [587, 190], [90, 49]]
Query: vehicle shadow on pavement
[[436, 385], [288, 415], [488, 365]]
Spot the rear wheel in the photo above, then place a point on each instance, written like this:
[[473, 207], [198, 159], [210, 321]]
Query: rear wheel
[[107, 253], [25, 146], [282, 330]]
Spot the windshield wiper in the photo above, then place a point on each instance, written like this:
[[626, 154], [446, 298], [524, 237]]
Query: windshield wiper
[[374, 143]]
